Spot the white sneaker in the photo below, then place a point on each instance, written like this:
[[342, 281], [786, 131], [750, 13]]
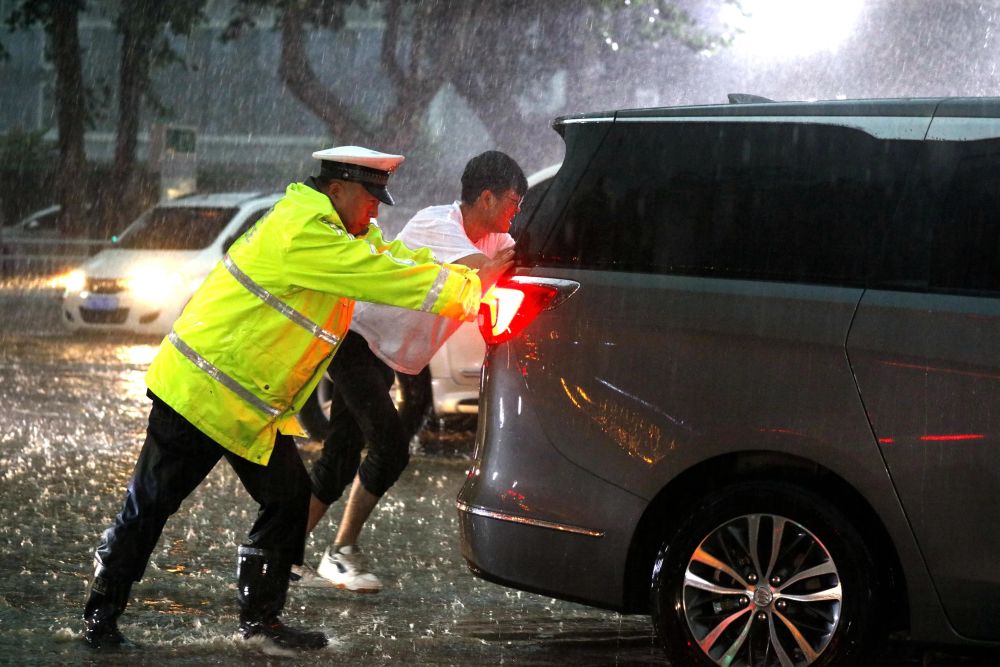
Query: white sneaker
[[306, 577], [346, 568]]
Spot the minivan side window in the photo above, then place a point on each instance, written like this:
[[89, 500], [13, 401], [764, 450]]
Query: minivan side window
[[965, 241], [774, 201], [535, 224], [945, 236]]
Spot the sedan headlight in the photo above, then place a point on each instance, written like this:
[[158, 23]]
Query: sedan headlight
[[154, 284], [75, 281]]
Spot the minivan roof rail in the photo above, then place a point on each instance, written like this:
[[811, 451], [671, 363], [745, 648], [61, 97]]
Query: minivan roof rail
[[747, 98]]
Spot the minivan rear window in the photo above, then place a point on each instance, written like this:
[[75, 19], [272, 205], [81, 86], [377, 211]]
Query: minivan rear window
[[776, 201], [177, 228]]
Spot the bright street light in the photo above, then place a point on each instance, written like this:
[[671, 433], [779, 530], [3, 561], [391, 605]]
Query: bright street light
[[787, 29]]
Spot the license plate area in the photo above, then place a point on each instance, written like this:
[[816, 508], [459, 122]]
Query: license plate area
[[101, 302]]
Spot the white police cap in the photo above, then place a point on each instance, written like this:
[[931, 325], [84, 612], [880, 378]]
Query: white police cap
[[355, 163]]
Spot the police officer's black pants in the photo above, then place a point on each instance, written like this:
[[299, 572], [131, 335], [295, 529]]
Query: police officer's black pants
[[362, 413], [174, 460]]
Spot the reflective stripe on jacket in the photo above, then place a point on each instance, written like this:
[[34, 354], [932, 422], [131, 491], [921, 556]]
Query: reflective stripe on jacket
[[256, 337]]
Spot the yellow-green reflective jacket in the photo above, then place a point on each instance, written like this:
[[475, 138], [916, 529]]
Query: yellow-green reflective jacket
[[256, 337]]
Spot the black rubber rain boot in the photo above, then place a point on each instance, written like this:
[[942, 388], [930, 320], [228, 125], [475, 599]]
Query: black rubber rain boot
[[263, 586], [105, 603]]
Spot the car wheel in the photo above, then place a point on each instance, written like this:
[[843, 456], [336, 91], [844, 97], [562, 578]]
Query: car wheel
[[764, 574], [414, 404]]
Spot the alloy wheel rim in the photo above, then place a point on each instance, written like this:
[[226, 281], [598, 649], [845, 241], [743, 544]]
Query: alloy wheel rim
[[761, 590]]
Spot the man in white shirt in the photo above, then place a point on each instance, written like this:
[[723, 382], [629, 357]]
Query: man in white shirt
[[472, 231]]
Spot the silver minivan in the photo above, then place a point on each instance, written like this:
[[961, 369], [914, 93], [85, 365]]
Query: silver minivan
[[745, 378]]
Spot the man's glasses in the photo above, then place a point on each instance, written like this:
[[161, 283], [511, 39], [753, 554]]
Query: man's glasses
[[515, 200]]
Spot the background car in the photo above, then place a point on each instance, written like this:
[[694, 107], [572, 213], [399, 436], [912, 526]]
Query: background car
[[449, 386], [38, 244], [43, 222], [745, 379], [142, 282]]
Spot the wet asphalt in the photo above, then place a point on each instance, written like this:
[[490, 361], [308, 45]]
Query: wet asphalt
[[73, 412]]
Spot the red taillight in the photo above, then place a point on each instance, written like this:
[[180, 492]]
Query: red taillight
[[511, 306]]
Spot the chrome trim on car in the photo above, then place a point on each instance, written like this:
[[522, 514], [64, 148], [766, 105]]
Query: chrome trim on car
[[950, 128], [503, 516], [880, 127], [573, 121]]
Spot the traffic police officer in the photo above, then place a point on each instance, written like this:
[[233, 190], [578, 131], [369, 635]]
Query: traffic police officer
[[241, 360]]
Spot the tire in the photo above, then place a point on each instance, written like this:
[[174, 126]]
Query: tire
[[714, 603], [415, 404]]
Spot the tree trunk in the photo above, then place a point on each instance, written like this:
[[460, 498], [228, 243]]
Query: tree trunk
[[295, 70], [414, 83], [71, 114], [134, 63], [120, 198], [417, 82]]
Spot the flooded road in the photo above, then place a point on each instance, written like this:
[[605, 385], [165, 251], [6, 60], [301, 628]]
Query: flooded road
[[74, 411], [73, 417]]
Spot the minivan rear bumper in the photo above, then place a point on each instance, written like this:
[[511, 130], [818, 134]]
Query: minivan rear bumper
[[529, 518]]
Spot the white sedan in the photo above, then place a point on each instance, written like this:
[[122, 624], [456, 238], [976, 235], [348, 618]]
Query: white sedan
[[143, 281]]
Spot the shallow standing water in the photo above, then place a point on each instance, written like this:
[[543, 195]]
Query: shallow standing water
[[72, 419], [73, 416]]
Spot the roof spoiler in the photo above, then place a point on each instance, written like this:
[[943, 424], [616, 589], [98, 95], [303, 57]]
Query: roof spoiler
[[746, 98]]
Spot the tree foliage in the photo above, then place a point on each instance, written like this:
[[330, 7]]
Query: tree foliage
[[496, 55], [515, 63], [60, 20], [146, 28], [26, 165]]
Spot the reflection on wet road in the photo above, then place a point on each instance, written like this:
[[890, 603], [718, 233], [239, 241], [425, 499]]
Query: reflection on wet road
[[73, 416], [74, 413]]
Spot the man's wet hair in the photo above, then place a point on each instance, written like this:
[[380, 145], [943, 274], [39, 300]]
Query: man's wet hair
[[493, 171]]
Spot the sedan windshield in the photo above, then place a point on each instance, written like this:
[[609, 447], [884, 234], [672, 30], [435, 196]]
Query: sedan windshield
[[176, 228]]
